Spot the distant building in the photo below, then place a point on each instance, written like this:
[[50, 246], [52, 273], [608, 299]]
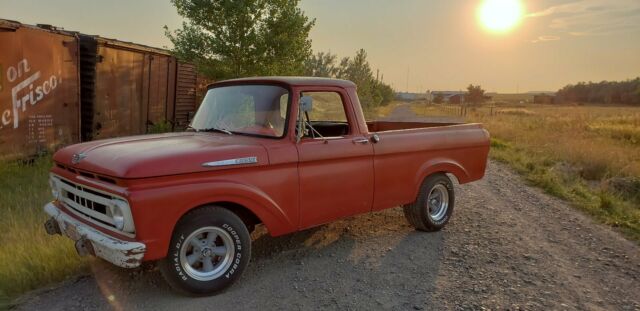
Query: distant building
[[456, 99], [406, 96]]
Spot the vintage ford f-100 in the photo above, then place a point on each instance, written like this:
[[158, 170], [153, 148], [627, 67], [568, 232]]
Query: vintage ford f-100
[[288, 153]]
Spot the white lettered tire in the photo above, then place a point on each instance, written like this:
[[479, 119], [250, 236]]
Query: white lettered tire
[[209, 250], [434, 205]]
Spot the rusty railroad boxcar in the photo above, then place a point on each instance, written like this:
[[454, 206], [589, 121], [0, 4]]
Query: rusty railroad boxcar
[[59, 87]]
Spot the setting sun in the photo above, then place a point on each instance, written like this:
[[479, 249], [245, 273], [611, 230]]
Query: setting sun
[[500, 15]]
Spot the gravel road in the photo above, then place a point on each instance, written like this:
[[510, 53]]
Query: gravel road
[[508, 246]]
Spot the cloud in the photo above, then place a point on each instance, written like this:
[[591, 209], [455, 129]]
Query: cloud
[[545, 38], [592, 17]]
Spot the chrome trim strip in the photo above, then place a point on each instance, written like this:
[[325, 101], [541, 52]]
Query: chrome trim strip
[[238, 161]]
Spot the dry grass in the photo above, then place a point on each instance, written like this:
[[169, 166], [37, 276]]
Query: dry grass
[[381, 111], [589, 156], [513, 98], [30, 258]]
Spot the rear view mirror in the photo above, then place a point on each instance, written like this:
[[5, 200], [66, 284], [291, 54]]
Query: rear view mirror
[[306, 103]]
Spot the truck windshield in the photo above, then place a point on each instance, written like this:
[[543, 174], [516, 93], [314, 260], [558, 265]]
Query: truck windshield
[[244, 109]]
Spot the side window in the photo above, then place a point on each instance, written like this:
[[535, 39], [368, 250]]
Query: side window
[[327, 106], [327, 117]]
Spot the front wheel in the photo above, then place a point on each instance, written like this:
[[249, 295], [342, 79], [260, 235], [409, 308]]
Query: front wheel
[[434, 205], [209, 250]]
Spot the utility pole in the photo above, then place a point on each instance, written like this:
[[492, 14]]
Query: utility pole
[[408, 70]]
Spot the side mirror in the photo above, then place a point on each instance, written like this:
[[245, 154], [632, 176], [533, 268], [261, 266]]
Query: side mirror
[[306, 103]]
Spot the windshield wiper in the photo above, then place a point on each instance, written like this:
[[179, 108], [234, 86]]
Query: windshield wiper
[[215, 129]]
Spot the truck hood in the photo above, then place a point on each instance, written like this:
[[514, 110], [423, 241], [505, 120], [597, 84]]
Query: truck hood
[[162, 154]]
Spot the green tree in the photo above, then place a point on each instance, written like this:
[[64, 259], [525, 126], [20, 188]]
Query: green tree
[[322, 64], [358, 70], [371, 91], [475, 94], [231, 38], [608, 92]]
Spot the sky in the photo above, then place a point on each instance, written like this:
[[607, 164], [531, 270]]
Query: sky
[[417, 45]]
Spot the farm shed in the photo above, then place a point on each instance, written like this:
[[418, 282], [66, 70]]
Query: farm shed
[[60, 87]]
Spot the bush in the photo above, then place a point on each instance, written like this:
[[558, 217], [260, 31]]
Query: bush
[[160, 127]]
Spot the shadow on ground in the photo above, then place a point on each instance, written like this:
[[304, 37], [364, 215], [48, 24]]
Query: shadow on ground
[[370, 261]]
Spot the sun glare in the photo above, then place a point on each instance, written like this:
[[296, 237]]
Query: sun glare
[[500, 15]]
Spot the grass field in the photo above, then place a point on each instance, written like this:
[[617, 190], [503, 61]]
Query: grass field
[[30, 258], [587, 155]]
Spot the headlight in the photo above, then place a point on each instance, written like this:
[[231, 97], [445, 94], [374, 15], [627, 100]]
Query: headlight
[[117, 213], [55, 189]]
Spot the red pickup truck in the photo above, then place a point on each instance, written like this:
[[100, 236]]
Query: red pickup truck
[[289, 153]]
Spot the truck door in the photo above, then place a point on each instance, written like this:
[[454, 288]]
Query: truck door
[[335, 161]]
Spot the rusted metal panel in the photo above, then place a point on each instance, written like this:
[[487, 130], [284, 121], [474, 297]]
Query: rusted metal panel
[[59, 87], [119, 86], [134, 89], [158, 89], [185, 99], [39, 89]]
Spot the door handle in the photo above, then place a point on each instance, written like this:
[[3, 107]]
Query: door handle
[[362, 141]]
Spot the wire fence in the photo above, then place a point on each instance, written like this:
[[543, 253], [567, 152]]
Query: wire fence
[[448, 110]]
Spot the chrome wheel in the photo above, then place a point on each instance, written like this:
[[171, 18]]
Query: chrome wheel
[[438, 202], [207, 253]]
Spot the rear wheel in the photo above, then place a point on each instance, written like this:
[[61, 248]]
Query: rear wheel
[[434, 205], [209, 250]]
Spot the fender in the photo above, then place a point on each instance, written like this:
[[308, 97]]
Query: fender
[[440, 165], [252, 198], [160, 223]]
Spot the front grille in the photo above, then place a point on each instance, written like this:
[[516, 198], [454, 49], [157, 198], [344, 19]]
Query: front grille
[[88, 202]]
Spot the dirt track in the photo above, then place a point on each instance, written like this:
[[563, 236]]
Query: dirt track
[[507, 246]]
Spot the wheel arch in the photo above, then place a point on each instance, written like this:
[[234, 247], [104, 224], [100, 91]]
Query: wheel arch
[[440, 166], [249, 203]]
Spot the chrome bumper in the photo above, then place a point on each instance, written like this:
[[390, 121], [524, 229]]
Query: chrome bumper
[[90, 241]]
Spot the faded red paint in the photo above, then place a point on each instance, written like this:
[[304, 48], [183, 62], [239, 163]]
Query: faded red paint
[[293, 185]]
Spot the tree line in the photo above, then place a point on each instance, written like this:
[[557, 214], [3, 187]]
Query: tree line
[[230, 39], [371, 90], [605, 92]]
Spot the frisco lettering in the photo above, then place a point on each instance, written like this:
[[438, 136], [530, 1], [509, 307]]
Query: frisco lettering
[[26, 92]]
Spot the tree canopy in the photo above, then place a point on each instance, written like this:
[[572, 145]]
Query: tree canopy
[[371, 90], [475, 94], [229, 38]]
